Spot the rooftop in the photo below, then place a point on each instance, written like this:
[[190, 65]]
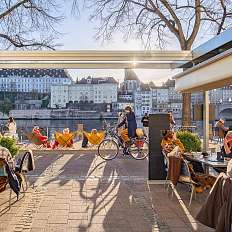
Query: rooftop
[[97, 80], [37, 73], [145, 87], [130, 75]]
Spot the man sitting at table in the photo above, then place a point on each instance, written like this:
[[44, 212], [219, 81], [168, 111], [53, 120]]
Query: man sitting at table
[[174, 149], [221, 125]]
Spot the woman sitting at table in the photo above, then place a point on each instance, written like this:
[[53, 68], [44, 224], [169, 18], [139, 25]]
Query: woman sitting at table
[[169, 142], [227, 145], [172, 146]]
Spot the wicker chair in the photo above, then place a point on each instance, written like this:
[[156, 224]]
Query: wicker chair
[[185, 179]]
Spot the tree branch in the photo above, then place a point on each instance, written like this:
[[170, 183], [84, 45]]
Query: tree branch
[[196, 26], [12, 8], [19, 44]]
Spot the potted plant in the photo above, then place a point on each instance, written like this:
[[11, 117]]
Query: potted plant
[[190, 141], [10, 144]]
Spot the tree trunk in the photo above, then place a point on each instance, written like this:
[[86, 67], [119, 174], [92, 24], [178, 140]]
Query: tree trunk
[[186, 98], [186, 109]]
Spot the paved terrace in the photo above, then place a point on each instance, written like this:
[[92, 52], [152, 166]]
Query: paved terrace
[[78, 191]]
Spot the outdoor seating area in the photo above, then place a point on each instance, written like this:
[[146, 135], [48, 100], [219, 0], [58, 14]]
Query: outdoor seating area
[[13, 173], [75, 191]]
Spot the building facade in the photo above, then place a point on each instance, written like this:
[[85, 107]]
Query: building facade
[[89, 90], [32, 80], [143, 100]]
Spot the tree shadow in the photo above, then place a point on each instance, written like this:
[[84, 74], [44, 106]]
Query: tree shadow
[[107, 190]]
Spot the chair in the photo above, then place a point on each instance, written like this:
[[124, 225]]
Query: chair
[[166, 163], [221, 135], [185, 178], [26, 164], [5, 155], [65, 140], [34, 139], [95, 138], [211, 132]]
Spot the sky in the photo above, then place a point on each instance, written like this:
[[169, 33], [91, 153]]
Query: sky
[[78, 33]]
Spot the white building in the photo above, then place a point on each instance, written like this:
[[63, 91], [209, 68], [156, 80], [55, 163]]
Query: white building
[[160, 95], [32, 80], [120, 105], [125, 96], [95, 90], [143, 100]]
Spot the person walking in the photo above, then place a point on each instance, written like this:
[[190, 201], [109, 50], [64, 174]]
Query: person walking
[[145, 122]]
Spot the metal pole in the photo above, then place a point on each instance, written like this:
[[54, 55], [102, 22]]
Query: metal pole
[[206, 122]]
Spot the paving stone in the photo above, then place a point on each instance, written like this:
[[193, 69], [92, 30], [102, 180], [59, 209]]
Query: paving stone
[[65, 199], [54, 219]]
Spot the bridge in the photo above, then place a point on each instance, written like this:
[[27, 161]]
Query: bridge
[[224, 110]]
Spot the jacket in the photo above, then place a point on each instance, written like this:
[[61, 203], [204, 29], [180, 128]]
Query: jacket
[[12, 178], [130, 123], [217, 210], [30, 162], [145, 121]]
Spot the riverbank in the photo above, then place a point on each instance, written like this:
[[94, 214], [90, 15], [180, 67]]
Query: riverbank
[[61, 114]]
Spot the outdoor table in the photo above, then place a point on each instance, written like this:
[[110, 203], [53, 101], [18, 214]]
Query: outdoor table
[[188, 128], [207, 162]]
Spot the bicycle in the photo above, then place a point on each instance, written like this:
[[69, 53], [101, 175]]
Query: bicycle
[[109, 148]]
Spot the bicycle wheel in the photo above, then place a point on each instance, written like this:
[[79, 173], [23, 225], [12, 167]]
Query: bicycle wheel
[[139, 149], [108, 149]]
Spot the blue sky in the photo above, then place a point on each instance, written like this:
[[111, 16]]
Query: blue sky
[[78, 34]]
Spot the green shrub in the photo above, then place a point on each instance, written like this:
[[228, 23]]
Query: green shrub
[[190, 141], [10, 144]]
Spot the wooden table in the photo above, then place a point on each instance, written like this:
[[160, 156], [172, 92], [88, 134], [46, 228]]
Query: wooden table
[[188, 128], [207, 162]]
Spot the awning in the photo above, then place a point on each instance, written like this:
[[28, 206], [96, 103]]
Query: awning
[[213, 73], [94, 59]]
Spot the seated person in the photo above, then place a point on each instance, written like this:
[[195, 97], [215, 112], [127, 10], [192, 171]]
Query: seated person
[[44, 139], [227, 145], [169, 142], [12, 128], [173, 147], [66, 139], [221, 125], [94, 137]]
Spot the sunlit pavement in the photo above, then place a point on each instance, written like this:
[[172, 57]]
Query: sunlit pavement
[[81, 192]]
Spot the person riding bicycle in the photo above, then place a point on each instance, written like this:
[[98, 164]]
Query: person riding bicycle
[[130, 124]]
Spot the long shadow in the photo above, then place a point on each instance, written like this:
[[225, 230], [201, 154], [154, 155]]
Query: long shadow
[[178, 214], [110, 199], [42, 162]]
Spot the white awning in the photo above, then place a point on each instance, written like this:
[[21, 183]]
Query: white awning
[[213, 73], [88, 59]]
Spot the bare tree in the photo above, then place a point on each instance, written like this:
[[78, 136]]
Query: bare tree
[[29, 24], [157, 22]]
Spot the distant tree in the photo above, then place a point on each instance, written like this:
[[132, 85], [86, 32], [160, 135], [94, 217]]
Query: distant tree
[[29, 24], [6, 106], [45, 103], [157, 22]]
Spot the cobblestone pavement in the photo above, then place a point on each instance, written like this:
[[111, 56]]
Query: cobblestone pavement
[[81, 192]]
